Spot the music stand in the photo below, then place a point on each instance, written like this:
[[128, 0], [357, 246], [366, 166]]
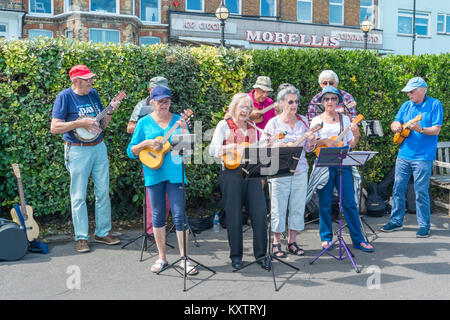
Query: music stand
[[257, 164], [340, 157], [184, 144]]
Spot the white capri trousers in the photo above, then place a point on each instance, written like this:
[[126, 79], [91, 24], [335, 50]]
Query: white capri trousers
[[289, 191]]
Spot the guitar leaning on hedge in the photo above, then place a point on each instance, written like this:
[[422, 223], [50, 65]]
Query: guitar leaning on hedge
[[399, 137], [85, 135], [342, 135], [155, 158], [32, 228]]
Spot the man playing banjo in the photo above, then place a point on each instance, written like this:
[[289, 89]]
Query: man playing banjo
[[79, 116]]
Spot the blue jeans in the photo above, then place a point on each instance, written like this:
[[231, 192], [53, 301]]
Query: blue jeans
[[421, 171], [82, 163], [348, 205], [157, 194]]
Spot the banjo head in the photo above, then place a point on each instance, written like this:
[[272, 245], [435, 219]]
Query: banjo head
[[85, 135]]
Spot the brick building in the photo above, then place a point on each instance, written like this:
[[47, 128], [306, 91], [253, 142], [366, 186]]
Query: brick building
[[252, 23]]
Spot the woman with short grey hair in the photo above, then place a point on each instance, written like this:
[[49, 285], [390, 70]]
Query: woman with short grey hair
[[348, 104], [289, 191]]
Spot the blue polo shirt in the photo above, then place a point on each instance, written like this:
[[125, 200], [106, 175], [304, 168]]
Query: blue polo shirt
[[69, 106], [147, 128], [420, 146]]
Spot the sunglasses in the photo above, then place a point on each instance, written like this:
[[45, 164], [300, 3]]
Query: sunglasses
[[292, 101], [330, 99], [328, 83]]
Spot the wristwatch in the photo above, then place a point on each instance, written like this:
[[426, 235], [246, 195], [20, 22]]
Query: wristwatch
[[421, 131]]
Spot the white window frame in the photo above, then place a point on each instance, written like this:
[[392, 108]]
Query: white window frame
[[101, 29], [372, 8], [45, 30], [343, 13], [40, 13], [147, 21], [239, 8], [419, 14], [117, 7], [312, 5], [66, 6], [192, 10], [445, 15], [275, 7], [140, 39]]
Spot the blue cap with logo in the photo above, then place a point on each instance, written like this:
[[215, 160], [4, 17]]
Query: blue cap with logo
[[160, 93], [415, 83], [333, 90]]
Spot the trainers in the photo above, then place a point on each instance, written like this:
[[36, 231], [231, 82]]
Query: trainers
[[82, 246], [109, 240], [390, 227], [423, 232]]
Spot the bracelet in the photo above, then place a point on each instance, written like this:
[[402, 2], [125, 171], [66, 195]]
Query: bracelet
[[110, 114]]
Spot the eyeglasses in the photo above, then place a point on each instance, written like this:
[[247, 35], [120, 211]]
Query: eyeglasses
[[293, 101], [165, 102], [244, 107], [328, 83], [330, 99]]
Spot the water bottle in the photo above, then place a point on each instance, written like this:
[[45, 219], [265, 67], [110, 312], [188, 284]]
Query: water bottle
[[216, 222]]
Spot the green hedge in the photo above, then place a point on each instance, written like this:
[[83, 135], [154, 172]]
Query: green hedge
[[204, 79]]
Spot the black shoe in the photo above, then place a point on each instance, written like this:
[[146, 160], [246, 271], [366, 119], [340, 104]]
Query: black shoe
[[236, 264], [264, 263]]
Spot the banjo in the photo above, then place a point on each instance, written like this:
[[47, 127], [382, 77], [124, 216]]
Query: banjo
[[85, 135]]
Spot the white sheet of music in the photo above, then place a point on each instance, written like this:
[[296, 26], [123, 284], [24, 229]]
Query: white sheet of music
[[358, 158]]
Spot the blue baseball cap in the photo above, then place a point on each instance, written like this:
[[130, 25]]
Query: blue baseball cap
[[160, 93], [333, 90], [415, 83]]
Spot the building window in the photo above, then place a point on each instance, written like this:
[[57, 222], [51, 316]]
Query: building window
[[194, 5], [443, 23], [68, 5], [366, 10], [150, 10], [34, 33], [68, 33], [268, 8], [2, 30], [405, 20], [304, 11], [104, 35], [234, 6], [41, 6], [336, 11], [149, 40], [110, 6]]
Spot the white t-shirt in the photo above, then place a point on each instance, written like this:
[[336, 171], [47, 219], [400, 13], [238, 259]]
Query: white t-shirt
[[331, 130], [276, 126]]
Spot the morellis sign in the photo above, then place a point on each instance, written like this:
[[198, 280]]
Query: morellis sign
[[291, 39]]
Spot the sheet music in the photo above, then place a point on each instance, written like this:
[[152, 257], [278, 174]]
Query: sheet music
[[358, 158]]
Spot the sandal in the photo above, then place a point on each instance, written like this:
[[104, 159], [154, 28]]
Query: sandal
[[159, 265], [279, 253], [368, 247], [190, 269], [297, 252]]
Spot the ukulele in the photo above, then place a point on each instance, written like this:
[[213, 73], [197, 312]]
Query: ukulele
[[260, 117], [342, 135], [85, 135], [232, 158], [155, 158], [32, 228], [316, 128], [399, 137]]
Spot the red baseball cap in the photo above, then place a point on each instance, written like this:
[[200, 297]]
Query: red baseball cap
[[81, 71]]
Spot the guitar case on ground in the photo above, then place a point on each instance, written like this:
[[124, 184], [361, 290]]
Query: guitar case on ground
[[13, 241]]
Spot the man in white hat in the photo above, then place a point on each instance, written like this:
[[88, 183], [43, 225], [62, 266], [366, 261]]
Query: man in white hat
[[416, 155]]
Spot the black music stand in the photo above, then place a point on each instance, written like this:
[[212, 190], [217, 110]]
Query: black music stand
[[184, 144], [258, 164]]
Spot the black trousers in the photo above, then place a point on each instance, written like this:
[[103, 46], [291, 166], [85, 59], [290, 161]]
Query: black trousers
[[236, 192]]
